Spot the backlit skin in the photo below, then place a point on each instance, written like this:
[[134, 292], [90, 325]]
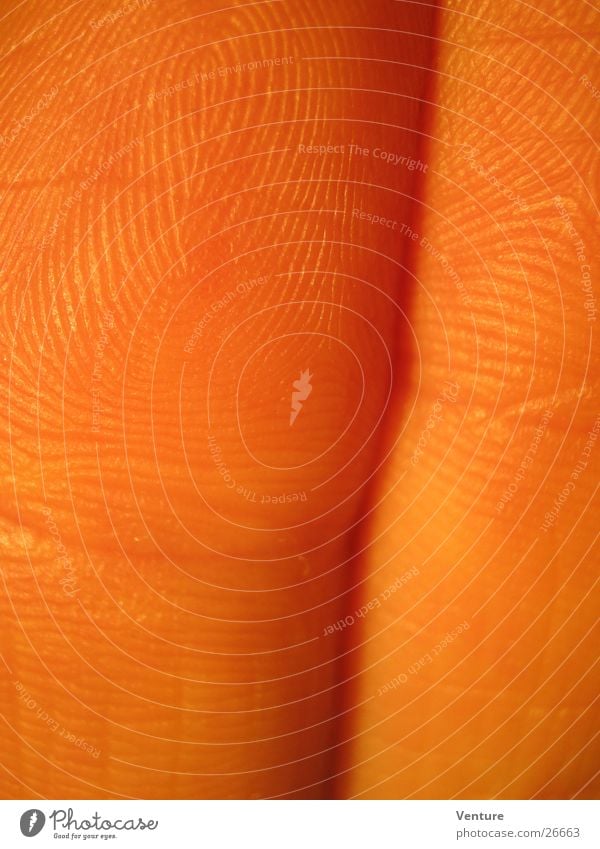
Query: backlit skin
[[287, 291]]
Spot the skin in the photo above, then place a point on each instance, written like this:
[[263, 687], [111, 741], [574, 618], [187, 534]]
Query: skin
[[505, 707], [175, 553]]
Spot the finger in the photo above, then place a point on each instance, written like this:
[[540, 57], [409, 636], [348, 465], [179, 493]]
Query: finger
[[476, 671], [193, 253]]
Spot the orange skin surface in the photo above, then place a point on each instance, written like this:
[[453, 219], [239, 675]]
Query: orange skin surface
[[174, 257], [505, 707]]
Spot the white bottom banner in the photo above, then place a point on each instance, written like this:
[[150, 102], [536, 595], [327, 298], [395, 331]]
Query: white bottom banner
[[301, 824]]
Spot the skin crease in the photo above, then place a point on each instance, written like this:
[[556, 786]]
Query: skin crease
[[180, 647], [490, 648]]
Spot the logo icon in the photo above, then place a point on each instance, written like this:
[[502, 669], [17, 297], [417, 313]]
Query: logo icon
[[303, 389], [32, 822]]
